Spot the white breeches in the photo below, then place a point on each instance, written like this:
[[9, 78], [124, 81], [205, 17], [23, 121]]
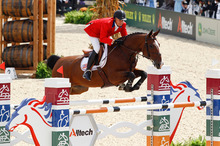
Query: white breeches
[[95, 43]]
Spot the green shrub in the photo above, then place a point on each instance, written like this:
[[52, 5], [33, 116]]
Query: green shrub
[[191, 142], [43, 71], [78, 17]]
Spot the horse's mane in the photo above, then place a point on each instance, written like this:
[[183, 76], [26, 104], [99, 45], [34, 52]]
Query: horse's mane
[[182, 85], [129, 35]]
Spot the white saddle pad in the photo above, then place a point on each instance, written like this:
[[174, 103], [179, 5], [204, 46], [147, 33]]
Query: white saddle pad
[[102, 62]]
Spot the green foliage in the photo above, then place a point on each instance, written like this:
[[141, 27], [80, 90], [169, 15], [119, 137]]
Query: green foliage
[[78, 17], [43, 71], [191, 142]]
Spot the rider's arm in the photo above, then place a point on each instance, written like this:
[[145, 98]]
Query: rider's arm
[[104, 38]]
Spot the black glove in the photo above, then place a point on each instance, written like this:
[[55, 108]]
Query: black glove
[[119, 42]]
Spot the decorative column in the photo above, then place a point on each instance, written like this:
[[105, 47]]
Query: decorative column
[[212, 112], [158, 86], [5, 95], [57, 93]]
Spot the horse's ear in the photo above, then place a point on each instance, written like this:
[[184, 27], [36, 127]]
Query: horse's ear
[[150, 33], [156, 33]]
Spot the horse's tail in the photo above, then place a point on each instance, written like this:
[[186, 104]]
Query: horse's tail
[[51, 61]]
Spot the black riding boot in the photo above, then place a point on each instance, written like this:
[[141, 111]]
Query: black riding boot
[[87, 74]]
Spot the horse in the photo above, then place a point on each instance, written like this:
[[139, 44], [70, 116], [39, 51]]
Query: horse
[[120, 67], [182, 92], [35, 115]]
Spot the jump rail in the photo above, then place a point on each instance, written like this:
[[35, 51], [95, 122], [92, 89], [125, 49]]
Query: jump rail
[[112, 101], [140, 107]]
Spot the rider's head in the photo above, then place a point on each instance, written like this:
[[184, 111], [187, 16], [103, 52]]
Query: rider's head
[[119, 17]]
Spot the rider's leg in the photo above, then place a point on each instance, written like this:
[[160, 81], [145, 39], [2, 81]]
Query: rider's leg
[[96, 48]]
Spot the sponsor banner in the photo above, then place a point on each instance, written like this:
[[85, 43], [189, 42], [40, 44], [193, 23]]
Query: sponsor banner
[[140, 17], [174, 23], [207, 30], [83, 128]]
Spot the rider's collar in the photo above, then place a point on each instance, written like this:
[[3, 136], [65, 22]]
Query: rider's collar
[[115, 25]]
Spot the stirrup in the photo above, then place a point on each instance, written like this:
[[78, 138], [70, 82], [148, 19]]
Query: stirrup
[[87, 75]]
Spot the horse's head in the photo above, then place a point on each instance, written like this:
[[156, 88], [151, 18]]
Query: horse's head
[[19, 116], [185, 92], [151, 49], [145, 43], [29, 108]]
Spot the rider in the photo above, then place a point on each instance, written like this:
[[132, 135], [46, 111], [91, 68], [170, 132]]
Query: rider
[[102, 30]]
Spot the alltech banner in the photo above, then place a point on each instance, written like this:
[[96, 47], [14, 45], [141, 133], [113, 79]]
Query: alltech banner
[[140, 16], [207, 30], [176, 23]]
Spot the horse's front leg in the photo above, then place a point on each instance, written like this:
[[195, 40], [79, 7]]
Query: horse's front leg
[[143, 75], [128, 86]]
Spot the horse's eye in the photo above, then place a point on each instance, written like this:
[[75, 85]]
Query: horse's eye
[[151, 46]]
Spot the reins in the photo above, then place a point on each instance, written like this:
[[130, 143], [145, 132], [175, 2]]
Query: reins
[[135, 52]]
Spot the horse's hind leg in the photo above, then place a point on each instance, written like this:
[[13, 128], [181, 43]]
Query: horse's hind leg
[[78, 89], [143, 75]]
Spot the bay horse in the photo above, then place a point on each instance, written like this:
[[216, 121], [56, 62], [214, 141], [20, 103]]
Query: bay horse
[[120, 67]]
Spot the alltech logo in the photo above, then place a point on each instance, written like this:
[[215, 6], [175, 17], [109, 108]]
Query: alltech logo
[[165, 23], [81, 132], [185, 28]]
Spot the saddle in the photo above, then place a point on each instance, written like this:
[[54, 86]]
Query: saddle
[[98, 57], [102, 74]]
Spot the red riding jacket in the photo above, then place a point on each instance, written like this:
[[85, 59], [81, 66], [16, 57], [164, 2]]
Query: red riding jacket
[[103, 29]]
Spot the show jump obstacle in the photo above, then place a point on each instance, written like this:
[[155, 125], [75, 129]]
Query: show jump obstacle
[[51, 122]]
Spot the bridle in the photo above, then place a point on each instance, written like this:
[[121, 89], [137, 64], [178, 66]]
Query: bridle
[[147, 47], [137, 52]]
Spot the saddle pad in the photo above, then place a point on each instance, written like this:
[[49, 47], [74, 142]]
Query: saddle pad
[[102, 62]]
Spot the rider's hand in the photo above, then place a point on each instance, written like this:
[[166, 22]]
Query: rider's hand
[[119, 42]]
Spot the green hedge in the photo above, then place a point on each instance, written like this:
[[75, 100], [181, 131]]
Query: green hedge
[[191, 142], [78, 17], [43, 71]]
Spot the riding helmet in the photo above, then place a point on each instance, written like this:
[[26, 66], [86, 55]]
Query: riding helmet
[[120, 15]]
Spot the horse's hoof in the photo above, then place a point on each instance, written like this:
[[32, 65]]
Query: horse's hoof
[[121, 87], [128, 89]]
